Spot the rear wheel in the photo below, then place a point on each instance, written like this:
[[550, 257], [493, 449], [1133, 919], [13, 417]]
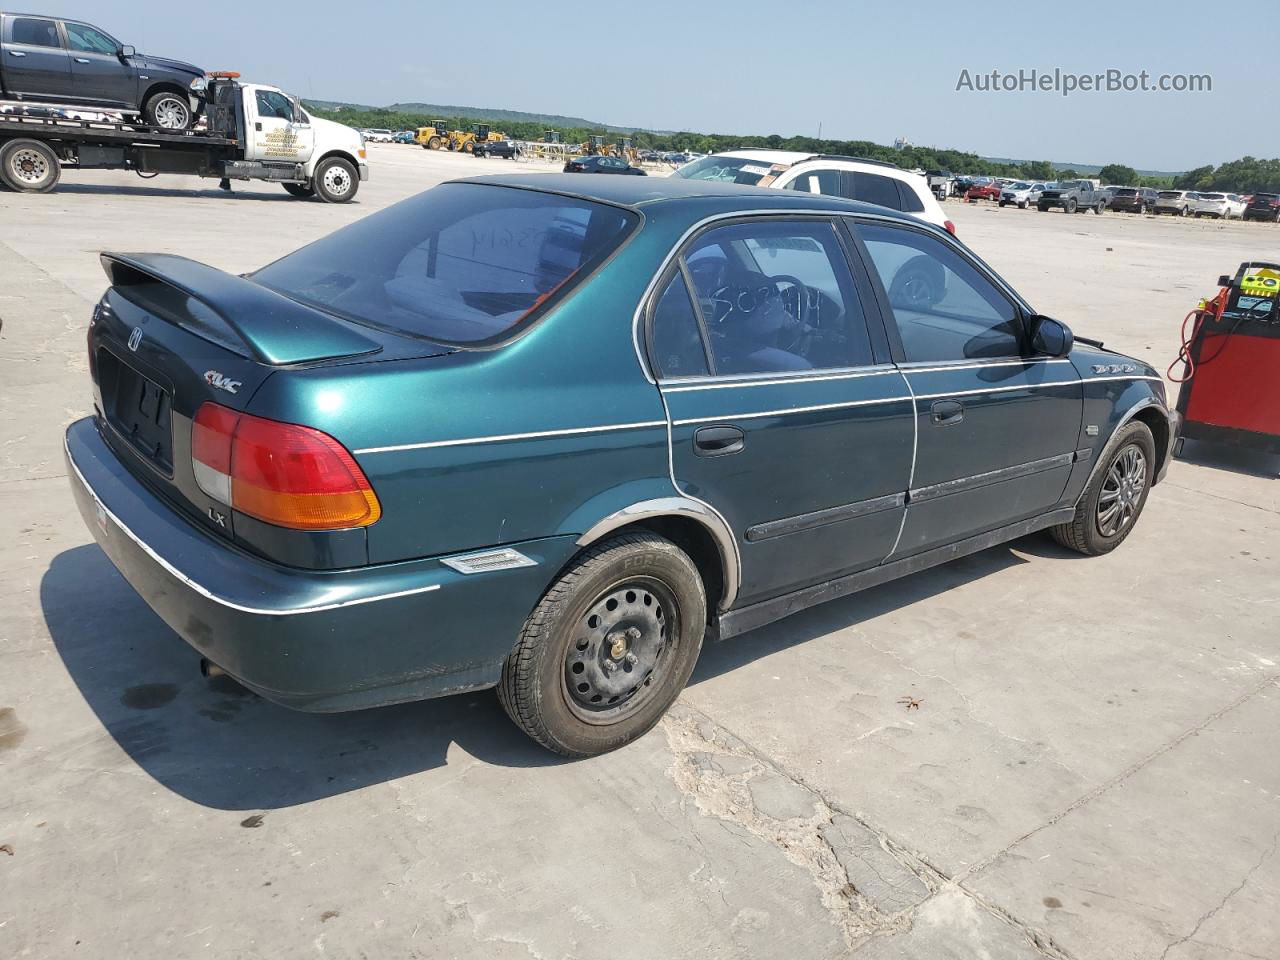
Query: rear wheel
[[434, 143], [299, 189], [1113, 501], [169, 110], [336, 180], [29, 166], [609, 647]]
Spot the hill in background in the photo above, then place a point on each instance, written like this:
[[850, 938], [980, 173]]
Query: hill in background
[[487, 114]]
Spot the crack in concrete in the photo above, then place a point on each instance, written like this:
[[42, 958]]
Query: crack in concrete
[[696, 741], [1121, 777], [1209, 915]]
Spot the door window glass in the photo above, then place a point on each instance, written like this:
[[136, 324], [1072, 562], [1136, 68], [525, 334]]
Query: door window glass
[[776, 296], [944, 308], [873, 188], [677, 342], [36, 33], [909, 200], [274, 104], [88, 40], [818, 181]]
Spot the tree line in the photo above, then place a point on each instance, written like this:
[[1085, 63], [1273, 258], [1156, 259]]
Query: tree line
[[1247, 175]]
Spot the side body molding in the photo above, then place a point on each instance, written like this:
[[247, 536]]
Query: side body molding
[[678, 507]]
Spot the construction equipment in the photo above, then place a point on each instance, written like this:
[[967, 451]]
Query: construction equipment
[[466, 140], [434, 136], [551, 136], [1231, 363]]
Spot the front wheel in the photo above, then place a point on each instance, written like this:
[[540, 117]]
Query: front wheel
[[1042, 207], [29, 166], [1111, 504], [301, 190], [1069, 207], [609, 647], [336, 180], [170, 111], [1022, 205]]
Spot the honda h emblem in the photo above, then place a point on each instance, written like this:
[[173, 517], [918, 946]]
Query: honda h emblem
[[135, 338]]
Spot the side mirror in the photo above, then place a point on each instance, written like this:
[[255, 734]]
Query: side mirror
[[1049, 337], [1224, 281], [298, 115], [127, 51]]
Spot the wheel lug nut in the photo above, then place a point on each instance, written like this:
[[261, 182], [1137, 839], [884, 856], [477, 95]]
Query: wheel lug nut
[[610, 666], [631, 658]]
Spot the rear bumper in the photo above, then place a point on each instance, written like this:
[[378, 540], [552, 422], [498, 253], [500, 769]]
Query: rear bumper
[[312, 640]]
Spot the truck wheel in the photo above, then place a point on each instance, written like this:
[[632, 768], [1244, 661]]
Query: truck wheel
[[433, 143], [1111, 504], [609, 647], [1069, 206], [302, 190], [169, 110], [29, 166], [1099, 207], [1042, 207], [336, 180]]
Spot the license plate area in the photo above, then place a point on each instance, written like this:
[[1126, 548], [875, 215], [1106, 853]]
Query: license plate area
[[138, 408]]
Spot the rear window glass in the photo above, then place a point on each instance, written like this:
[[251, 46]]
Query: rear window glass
[[461, 264], [727, 170]]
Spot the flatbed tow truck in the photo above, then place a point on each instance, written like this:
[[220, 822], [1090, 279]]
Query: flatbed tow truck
[[253, 132]]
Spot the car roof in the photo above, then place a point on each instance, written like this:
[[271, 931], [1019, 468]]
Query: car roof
[[792, 157], [642, 192]]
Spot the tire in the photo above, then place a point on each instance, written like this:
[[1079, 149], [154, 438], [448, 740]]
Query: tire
[[1085, 532], [433, 143], [1022, 205], [1185, 211], [336, 180], [1099, 207], [301, 190], [168, 110], [29, 166], [1042, 207], [652, 585], [1069, 206]]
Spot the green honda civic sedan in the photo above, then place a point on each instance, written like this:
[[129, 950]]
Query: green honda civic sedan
[[551, 434]]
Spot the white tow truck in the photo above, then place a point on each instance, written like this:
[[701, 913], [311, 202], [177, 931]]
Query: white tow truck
[[253, 132]]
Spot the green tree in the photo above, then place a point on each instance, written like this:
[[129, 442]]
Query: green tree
[[1199, 177], [1036, 170], [1118, 173]]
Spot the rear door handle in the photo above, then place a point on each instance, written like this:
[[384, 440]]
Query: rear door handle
[[718, 441], [947, 411], [82, 59], [16, 53]]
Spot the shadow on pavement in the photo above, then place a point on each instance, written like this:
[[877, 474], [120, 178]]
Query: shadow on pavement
[[218, 745], [1229, 457], [211, 192]]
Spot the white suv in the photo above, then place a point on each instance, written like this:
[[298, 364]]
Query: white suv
[[1226, 206], [870, 181]]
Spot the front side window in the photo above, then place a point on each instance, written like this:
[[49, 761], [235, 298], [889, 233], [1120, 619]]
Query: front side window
[[35, 33], [272, 103], [944, 308], [460, 264], [88, 40], [776, 296]]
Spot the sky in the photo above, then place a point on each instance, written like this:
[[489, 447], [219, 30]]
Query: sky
[[864, 71]]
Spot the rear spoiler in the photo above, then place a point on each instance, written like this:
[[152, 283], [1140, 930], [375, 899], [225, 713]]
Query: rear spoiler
[[274, 329]]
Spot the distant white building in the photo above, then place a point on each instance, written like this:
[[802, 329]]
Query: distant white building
[[901, 143]]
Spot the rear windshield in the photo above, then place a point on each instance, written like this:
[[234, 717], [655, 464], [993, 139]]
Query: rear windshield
[[1126, 192], [1170, 194], [1213, 196], [1266, 196], [460, 264]]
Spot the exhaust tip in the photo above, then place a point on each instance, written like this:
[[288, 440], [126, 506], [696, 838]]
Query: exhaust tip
[[209, 669]]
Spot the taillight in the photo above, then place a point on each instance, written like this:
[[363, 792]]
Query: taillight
[[951, 227], [281, 473]]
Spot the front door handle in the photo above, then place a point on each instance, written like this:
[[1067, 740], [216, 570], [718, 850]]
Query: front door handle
[[81, 59], [718, 441], [258, 127], [16, 53], [947, 411]]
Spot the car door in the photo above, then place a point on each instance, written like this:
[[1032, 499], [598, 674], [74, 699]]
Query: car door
[[98, 72], [276, 136], [997, 428], [36, 64], [785, 415]]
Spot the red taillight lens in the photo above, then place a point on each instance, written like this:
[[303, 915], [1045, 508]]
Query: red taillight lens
[[281, 473], [951, 227]]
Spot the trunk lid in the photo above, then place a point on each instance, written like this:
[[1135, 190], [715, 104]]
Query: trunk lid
[[171, 334]]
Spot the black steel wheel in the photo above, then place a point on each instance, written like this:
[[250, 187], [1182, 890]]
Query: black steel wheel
[[609, 647], [1110, 506]]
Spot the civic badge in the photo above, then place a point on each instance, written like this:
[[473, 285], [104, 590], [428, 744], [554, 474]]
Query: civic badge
[[221, 381], [135, 338]]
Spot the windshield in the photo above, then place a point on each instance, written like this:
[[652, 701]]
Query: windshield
[[727, 169], [1020, 186], [460, 264]]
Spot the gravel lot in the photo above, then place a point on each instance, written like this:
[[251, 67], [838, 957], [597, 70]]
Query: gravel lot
[[1092, 771]]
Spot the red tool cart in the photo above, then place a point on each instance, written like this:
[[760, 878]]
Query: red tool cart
[[1231, 363]]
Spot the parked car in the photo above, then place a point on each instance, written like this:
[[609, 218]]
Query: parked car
[[1021, 192], [1220, 206], [984, 188], [871, 181], [1073, 196], [1177, 202], [507, 149], [378, 135], [940, 183], [68, 62], [414, 458], [1133, 199], [1263, 206], [602, 165], [405, 136]]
